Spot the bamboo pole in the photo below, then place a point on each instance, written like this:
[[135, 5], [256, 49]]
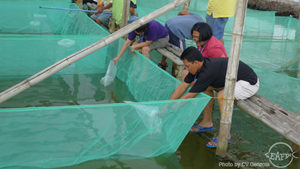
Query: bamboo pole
[[186, 5], [125, 13], [14, 90], [231, 75]]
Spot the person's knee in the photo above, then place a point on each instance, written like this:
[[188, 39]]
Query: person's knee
[[98, 21], [145, 50]]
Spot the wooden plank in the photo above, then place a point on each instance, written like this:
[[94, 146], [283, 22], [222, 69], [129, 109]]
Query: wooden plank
[[276, 111], [174, 49], [170, 55], [274, 123], [295, 147]]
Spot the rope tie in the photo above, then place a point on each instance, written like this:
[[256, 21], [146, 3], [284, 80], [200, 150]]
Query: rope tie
[[222, 98]]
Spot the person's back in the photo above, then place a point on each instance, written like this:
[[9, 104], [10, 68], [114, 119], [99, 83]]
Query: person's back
[[181, 25], [213, 48]]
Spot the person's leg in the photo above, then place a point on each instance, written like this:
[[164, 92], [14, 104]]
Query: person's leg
[[145, 51], [98, 21], [220, 94], [217, 25], [207, 112], [103, 18], [94, 17], [159, 43], [173, 39], [243, 90]]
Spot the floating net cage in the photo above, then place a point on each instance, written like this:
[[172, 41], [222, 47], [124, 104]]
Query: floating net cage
[[67, 134], [63, 135]]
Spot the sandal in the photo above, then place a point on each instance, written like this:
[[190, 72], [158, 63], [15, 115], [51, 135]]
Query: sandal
[[164, 67]]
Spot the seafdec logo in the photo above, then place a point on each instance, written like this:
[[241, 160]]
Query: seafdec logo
[[278, 155]]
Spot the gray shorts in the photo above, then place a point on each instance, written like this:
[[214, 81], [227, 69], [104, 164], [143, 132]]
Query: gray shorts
[[159, 43]]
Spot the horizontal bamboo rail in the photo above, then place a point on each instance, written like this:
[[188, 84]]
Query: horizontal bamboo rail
[[279, 119], [173, 53], [31, 81]]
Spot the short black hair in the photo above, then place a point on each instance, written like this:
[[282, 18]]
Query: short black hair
[[191, 54], [142, 28], [204, 29]]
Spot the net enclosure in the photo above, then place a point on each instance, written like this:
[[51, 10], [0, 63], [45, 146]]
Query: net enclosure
[[61, 134]]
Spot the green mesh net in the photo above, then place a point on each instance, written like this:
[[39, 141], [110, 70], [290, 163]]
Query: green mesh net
[[62, 135]]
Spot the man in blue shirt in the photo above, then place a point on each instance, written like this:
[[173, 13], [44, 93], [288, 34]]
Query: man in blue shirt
[[179, 28]]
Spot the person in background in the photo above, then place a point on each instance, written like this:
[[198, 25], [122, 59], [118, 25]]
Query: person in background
[[117, 10], [208, 75], [152, 35], [179, 29], [207, 44], [218, 12], [103, 12]]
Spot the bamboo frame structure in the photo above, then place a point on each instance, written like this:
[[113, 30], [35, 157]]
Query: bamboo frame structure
[[173, 53], [231, 76], [125, 13], [186, 6], [31, 81]]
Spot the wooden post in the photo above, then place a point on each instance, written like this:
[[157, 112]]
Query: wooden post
[[231, 75], [295, 147], [31, 81], [186, 6], [125, 13]]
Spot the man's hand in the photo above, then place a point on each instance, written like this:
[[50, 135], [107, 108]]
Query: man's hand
[[115, 60], [132, 49], [99, 10]]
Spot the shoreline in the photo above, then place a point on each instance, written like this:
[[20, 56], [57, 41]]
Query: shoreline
[[283, 7]]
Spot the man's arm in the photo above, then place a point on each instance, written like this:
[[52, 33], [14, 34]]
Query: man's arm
[[179, 91], [189, 95], [124, 47], [107, 6]]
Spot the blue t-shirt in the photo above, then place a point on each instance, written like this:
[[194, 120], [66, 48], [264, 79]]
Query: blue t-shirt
[[182, 25], [154, 31]]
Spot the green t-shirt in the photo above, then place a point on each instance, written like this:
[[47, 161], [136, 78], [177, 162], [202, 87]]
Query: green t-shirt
[[117, 10]]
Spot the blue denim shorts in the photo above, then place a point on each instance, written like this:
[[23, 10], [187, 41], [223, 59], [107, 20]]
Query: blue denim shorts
[[103, 17], [217, 25], [132, 18]]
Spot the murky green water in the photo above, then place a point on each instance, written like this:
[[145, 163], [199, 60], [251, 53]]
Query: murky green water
[[251, 139]]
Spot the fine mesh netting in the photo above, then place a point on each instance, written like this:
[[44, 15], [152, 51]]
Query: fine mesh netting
[[61, 135], [269, 45], [33, 39]]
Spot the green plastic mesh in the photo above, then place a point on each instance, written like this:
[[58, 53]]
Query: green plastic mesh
[[64, 135], [269, 43]]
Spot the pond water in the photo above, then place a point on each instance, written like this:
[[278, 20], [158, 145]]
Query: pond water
[[247, 145]]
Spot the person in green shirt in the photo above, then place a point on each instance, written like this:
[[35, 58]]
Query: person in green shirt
[[117, 10]]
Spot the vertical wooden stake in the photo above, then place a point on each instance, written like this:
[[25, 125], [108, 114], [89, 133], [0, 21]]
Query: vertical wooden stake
[[125, 13], [186, 5], [231, 75]]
